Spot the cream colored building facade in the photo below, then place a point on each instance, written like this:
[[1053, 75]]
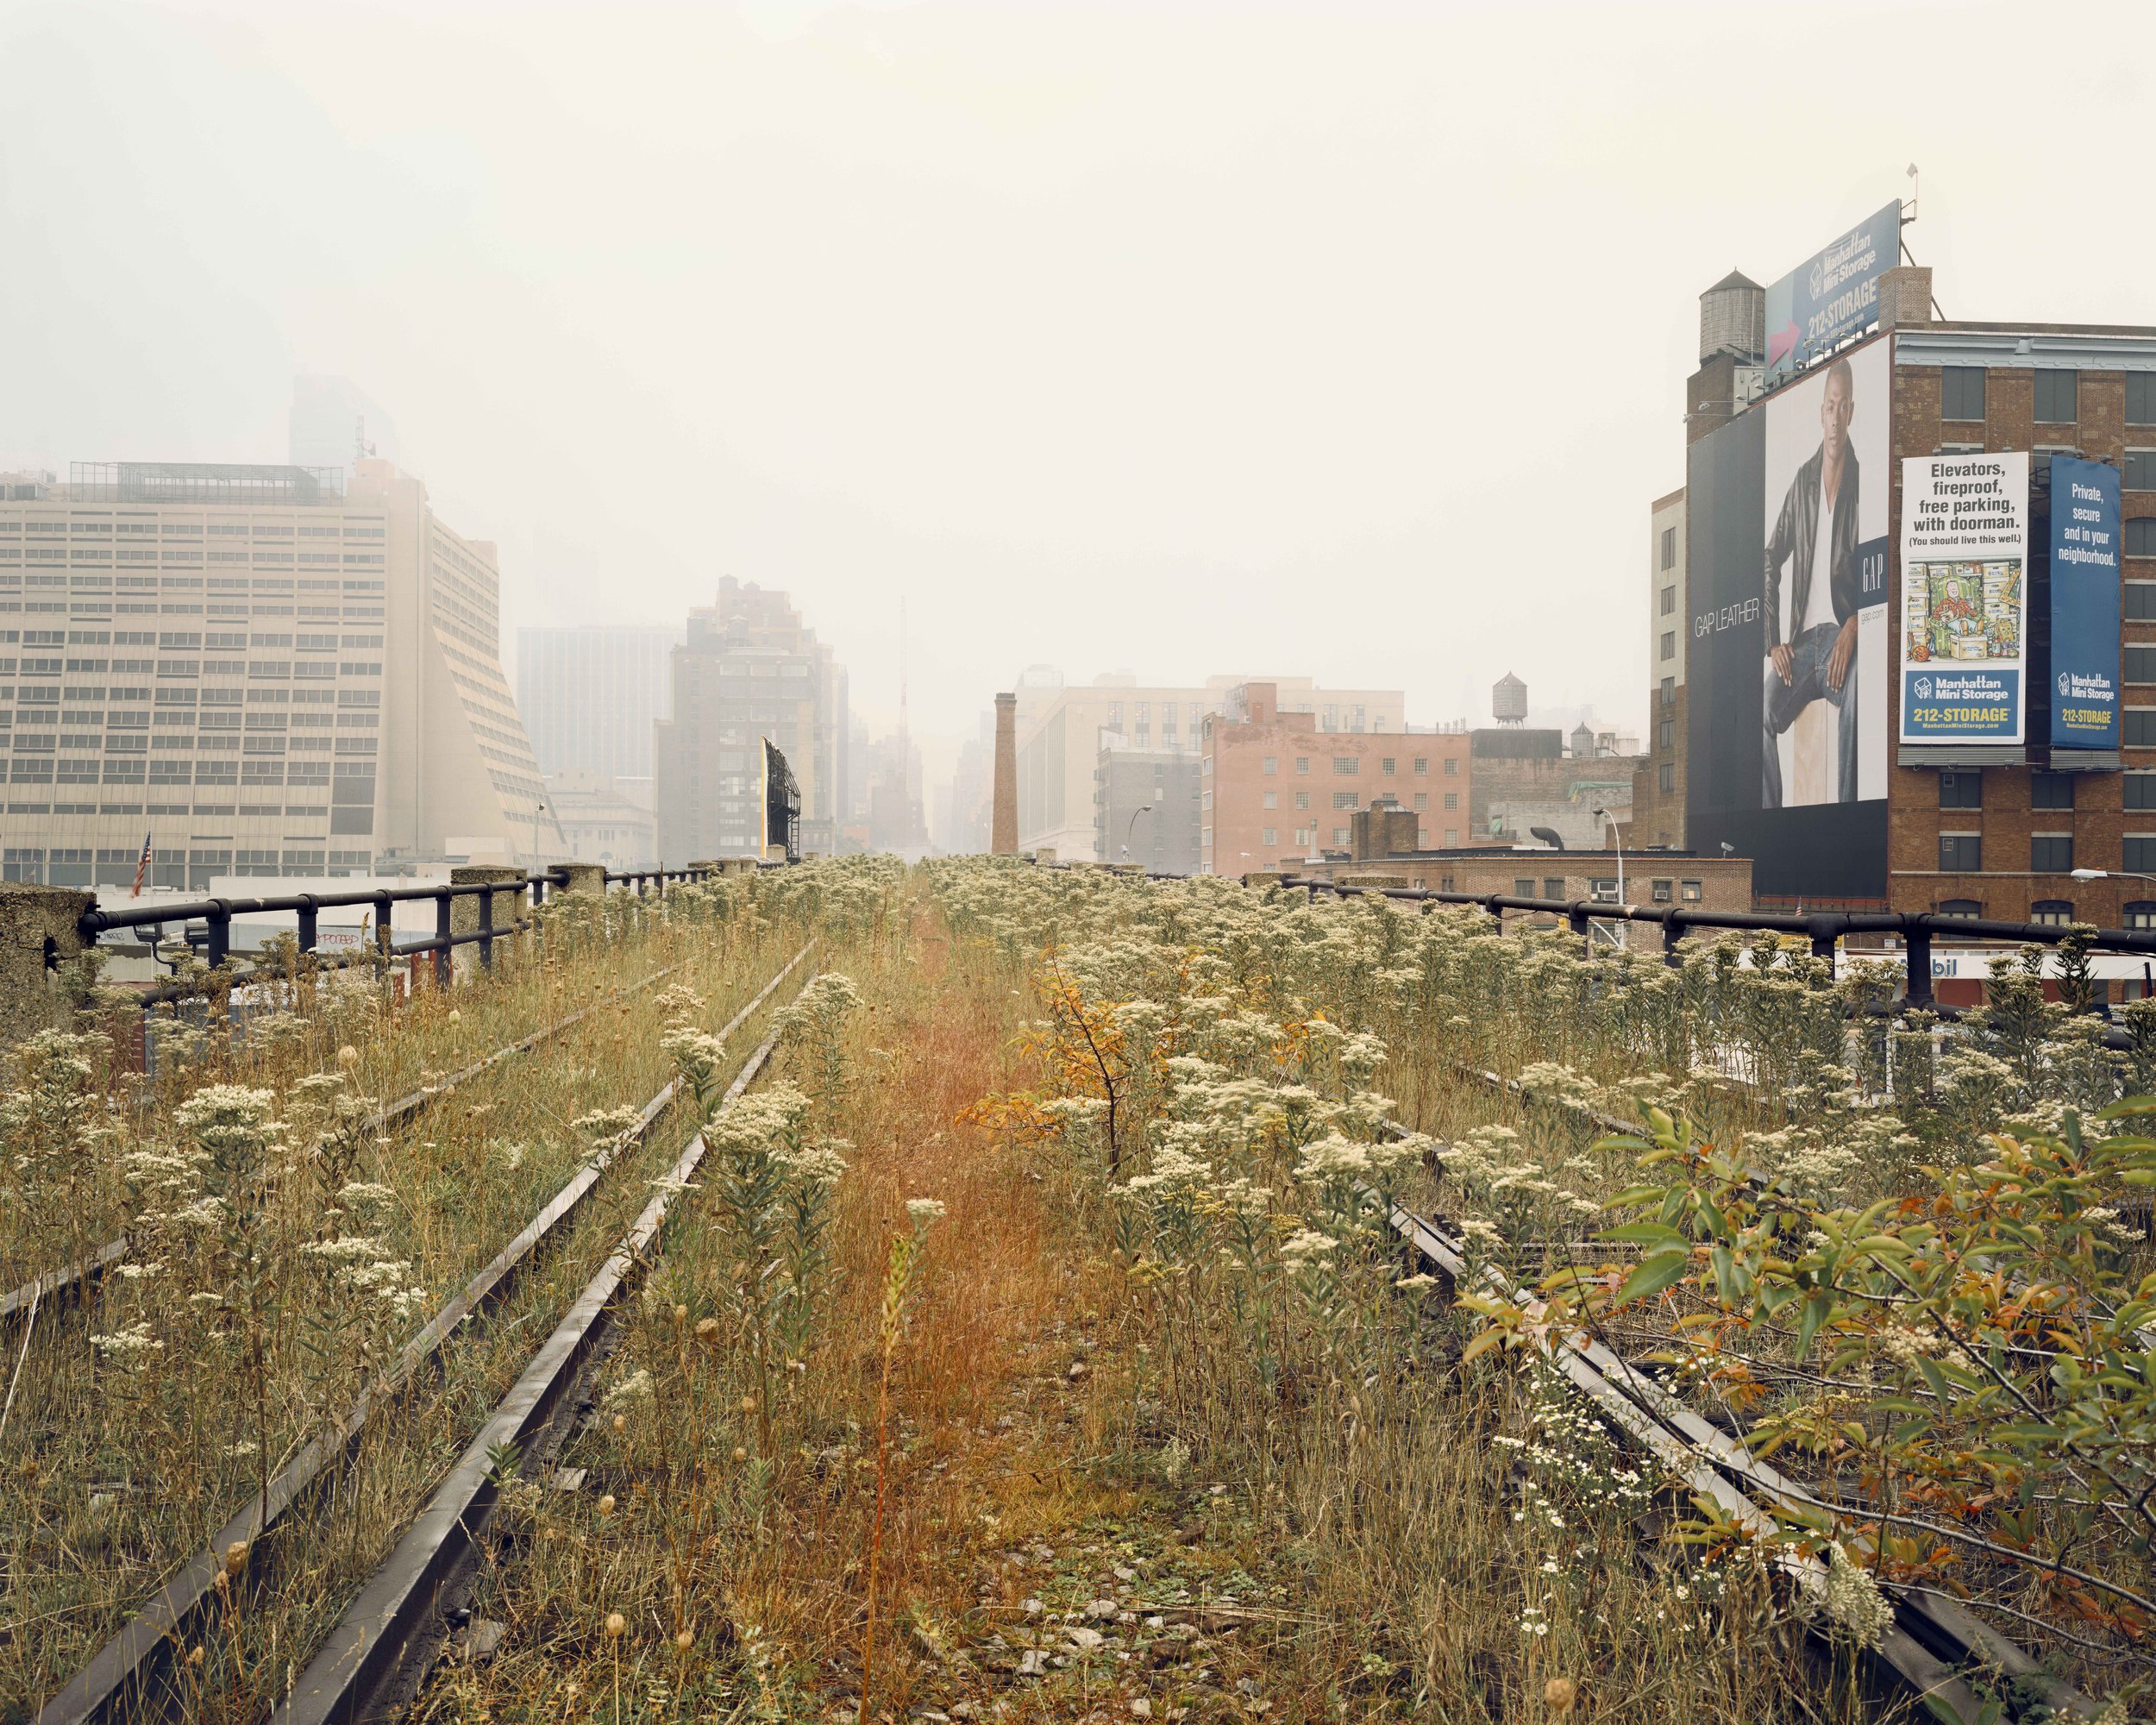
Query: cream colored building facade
[[1060, 729], [266, 674]]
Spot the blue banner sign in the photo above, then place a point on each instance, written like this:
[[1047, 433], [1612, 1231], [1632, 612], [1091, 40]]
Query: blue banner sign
[[1831, 296], [2085, 604]]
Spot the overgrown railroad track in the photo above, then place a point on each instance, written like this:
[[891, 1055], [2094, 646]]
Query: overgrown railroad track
[[1935, 1643], [403, 1618], [69, 1283], [155, 1664]]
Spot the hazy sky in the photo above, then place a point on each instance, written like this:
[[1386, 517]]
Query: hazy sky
[[1348, 340]]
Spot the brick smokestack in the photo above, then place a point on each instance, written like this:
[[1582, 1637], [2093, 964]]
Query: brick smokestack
[[1003, 839]]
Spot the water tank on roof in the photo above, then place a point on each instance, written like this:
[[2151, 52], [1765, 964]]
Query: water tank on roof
[[1508, 699], [1732, 319]]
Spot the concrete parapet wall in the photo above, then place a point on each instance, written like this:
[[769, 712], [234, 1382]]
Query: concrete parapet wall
[[38, 933], [586, 877], [464, 912]]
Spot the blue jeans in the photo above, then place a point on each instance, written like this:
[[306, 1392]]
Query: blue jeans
[[1784, 702]]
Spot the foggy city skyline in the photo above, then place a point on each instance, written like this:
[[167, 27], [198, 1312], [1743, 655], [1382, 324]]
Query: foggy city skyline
[[1301, 341]]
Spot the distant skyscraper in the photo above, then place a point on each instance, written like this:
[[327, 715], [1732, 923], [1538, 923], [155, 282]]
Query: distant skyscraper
[[749, 670], [334, 423], [591, 696]]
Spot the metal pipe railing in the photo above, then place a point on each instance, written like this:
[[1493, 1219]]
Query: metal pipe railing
[[1917, 929], [217, 916]]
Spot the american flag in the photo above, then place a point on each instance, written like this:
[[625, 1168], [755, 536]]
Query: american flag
[[142, 867]]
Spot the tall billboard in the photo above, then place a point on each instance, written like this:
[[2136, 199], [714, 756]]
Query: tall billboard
[[1833, 295], [1788, 671], [2085, 604], [1965, 627]]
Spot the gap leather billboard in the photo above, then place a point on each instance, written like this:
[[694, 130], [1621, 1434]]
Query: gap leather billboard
[[1964, 563], [1787, 675], [2085, 604], [1832, 295]]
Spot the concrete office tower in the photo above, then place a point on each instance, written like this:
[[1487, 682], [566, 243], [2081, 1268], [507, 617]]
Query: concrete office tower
[[241, 662], [458, 776], [749, 670], [1003, 838], [590, 697], [1060, 732]]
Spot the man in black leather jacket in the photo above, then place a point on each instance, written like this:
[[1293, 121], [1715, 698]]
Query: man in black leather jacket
[[1813, 663]]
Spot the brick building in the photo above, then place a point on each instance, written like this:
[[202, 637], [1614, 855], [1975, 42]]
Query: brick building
[[1997, 828], [1276, 787]]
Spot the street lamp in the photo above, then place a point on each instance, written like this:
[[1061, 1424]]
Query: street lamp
[[2110, 875], [1131, 825]]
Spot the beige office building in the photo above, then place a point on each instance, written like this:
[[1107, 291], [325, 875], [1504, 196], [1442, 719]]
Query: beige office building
[[265, 672], [1061, 728]]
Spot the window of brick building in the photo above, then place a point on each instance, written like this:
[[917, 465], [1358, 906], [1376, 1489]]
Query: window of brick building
[[1272, 800], [1422, 766], [2141, 601], [2137, 853], [2051, 790], [1669, 548], [1960, 853], [1665, 735], [1344, 799], [1669, 643], [2050, 853], [2141, 470], [2140, 664], [1523, 887], [1553, 887], [1422, 800], [2056, 397], [1960, 907], [2140, 914], [1669, 601], [1272, 836], [1302, 799], [1453, 767], [1388, 766], [1689, 891], [1962, 789], [1961, 392], [2140, 537], [2140, 790], [1272, 764], [1340, 835], [1669, 692], [1347, 765], [1302, 763], [1665, 777], [2052, 912], [1451, 837], [1453, 799], [2138, 727], [1663, 892], [2140, 398]]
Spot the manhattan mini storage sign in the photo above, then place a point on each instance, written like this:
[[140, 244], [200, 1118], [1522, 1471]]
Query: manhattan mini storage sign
[[1964, 558], [2085, 604]]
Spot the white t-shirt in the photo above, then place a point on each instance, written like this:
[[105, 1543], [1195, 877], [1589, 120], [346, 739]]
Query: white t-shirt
[[1819, 606]]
